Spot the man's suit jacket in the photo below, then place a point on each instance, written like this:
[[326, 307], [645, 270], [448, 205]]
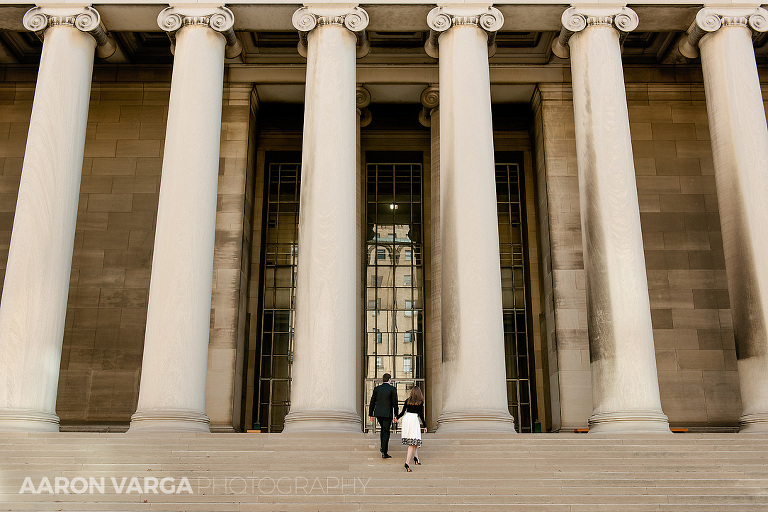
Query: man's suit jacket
[[383, 401]]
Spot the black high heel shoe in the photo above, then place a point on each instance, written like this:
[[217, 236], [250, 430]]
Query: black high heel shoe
[[416, 460], [408, 468]]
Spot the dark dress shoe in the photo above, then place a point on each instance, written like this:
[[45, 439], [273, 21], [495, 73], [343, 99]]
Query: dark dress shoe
[[386, 456]]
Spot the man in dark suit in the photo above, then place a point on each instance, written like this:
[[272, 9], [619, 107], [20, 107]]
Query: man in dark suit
[[384, 408]]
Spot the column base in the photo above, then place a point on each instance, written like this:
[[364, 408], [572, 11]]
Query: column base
[[629, 422], [481, 420], [28, 420], [754, 423], [169, 420], [331, 420]]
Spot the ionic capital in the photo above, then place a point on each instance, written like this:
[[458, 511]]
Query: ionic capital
[[430, 100], [362, 100], [362, 97], [220, 19], [85, 19], [711, 20], [306, 19], [441, 19], [576, 19]]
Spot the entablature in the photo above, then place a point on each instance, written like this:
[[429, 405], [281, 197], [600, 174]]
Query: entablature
[[397, 32]]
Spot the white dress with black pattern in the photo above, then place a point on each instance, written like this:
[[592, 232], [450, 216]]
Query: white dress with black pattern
[[410, 429]]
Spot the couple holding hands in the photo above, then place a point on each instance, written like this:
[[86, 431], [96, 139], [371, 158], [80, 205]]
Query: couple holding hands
[[384, 408]]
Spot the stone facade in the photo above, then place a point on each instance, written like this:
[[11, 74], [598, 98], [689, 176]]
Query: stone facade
[[101, 357], [693, 319]]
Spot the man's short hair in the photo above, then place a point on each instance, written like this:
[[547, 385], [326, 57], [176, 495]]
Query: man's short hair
[[387, 377]]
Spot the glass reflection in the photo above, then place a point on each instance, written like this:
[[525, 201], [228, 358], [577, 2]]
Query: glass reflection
[[394, 278]]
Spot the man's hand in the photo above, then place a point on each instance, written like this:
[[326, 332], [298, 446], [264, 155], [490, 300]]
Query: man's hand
[[394, 420], [370, 418]]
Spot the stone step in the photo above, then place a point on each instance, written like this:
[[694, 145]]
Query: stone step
[[414, 504], [701, 472]]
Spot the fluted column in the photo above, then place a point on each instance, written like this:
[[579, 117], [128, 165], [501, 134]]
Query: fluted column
[[324, 377], [34, 300], [625, 389], [475, 391], [737, 127], [172, 389]]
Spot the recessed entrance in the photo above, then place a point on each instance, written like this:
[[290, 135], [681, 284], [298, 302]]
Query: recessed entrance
[[395, 231]]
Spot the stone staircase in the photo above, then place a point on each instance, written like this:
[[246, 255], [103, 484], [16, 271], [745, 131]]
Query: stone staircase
[[340, 472]]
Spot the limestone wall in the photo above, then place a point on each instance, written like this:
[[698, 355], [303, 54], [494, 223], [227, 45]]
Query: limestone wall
[[231, 260], [563, 294], [695, 351]]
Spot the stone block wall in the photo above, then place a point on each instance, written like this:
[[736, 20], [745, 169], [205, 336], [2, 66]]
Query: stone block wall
[[231, 264], [562, 265], [15, 109], [695, 350], [109, 285]]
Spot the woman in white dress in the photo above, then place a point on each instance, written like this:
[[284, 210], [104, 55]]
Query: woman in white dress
[[410, 427]]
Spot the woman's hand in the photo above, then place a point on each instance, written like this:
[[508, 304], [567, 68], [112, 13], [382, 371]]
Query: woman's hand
[[425, 430]]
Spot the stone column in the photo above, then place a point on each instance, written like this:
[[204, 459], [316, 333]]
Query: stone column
[[429, 117], [475, 392], [34, 299], [172, 389], [625, 389], [737, 127], [324, 373]]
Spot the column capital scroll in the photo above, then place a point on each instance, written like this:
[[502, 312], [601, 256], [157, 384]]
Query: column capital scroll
[[441, 19], [712, 19], [85, 19], [362, 97], [306, 19], [362, 100], [430, 100], [220, 19], [576, 19]]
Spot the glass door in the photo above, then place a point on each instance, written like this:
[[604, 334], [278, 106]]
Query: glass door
[[281, 218], [394, 313]]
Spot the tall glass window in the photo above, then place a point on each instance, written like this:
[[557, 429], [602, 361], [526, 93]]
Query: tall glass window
[[519, 361], [394, 318], [280, 255]]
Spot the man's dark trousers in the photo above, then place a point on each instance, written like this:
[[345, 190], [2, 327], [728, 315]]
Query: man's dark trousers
[[386, 425], [383, 407]]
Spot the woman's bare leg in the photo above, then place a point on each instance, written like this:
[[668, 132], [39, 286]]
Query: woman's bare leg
[[409, 454]]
